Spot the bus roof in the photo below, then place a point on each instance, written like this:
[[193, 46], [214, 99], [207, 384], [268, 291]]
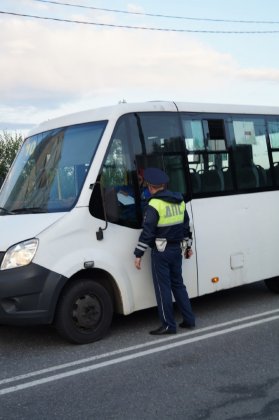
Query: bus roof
[[115, 111]]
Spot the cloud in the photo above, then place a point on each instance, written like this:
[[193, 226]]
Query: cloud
[[264, 74], [135, 8], [54, 66], [71, 60]]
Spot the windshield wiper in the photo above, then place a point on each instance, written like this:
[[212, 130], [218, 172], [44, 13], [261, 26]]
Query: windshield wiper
[[5, 211], [30, 210]]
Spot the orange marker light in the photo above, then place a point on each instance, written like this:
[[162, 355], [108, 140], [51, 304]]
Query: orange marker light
[[215, 279]]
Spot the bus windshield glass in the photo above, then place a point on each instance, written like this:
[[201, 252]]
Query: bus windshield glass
[[50, 169]]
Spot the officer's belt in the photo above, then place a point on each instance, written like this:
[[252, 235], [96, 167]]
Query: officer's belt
[[171, 241]]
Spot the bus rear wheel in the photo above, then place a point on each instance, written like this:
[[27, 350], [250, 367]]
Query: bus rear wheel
[[84, 312], [273, 284]]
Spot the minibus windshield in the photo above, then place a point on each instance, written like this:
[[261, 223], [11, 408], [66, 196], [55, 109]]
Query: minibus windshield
[[50, 169]]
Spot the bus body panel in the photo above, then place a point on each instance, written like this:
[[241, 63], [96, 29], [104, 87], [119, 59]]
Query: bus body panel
[[17, 228], [231, 242], [72, 242], [111, 113], [226, 108]]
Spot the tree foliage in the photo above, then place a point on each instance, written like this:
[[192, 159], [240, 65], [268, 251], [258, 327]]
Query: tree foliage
[[9, 145]]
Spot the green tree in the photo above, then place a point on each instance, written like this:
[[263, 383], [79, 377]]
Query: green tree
[[9, 145]]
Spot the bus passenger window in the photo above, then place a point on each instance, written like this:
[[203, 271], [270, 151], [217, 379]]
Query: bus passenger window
[[193, 132], [208, 173], [273, 131], [250, 154], [207, 155], [215, 135], [246, 171]]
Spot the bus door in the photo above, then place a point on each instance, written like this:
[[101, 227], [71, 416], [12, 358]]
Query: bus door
[[213, 213], [139, 141]]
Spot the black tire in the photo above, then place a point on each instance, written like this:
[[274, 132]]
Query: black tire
[[84, 312], [273, 284]]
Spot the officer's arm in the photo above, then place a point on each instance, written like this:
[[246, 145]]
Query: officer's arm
[[148, 234]]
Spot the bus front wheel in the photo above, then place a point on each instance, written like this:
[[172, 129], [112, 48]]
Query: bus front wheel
[[273, 284], [84, 312]]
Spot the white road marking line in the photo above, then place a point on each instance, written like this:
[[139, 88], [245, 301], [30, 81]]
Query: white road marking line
[[122, 359], [135, 347]]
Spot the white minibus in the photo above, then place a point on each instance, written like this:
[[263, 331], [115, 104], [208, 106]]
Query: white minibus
[[71, 209]]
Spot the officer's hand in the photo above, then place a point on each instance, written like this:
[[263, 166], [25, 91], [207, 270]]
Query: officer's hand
[[188, 253], [137, 263]]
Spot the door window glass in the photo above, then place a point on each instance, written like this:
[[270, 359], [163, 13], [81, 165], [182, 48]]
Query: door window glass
[[117, 180], [160, 145]]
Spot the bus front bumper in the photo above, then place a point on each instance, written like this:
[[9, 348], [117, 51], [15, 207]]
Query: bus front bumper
[[28, 295]]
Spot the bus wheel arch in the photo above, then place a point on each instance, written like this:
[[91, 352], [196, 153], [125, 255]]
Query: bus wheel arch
[[86, 305]]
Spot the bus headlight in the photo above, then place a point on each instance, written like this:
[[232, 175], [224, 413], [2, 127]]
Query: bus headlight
[[20, 254]]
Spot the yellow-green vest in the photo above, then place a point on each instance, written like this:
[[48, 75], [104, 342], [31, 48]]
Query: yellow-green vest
[[169, 213]]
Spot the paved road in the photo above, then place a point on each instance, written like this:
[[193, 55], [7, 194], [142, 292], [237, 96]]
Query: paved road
[[227, 368]]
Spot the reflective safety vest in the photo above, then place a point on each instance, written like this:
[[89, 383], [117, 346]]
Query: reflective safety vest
[[169, 213]]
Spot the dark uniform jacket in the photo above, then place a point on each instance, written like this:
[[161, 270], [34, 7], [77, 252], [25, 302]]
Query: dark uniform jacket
[[155, 225]]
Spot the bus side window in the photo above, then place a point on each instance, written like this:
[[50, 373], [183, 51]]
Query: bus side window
[[246, 171], [208, 157], [273, 132], [251, 158]]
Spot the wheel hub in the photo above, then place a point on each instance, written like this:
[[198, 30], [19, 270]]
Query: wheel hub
[[87, 312]]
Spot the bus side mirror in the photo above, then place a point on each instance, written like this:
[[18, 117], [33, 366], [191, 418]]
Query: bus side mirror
[[99, 234], [104, 205]]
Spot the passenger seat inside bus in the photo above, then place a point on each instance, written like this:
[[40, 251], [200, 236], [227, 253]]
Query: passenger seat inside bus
[[195, 181], [212, 180]]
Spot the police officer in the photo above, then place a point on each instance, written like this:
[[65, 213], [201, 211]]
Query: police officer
[[165, 228]]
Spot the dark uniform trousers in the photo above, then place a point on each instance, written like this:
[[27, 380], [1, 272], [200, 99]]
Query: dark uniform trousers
[[167, 278]]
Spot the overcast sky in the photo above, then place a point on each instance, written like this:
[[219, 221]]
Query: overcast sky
[[49, 68]]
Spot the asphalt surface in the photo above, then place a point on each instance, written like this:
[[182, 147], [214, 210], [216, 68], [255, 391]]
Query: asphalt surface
[[227, 368]]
